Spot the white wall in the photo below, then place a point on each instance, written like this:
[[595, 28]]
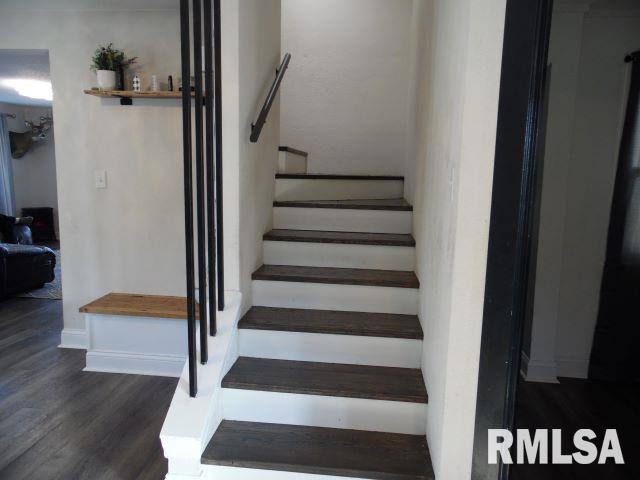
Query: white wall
[[344, 99], [259, 56], [34, 175], [458, 86], [130, 236], [586, 106]]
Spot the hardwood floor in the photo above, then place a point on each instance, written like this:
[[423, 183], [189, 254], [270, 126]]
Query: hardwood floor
[[58, 422], [337, 276], [332, 379], [324, 451], [573, 404], [386, 325]]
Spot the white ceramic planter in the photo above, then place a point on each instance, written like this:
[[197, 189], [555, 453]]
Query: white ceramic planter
[[106, 79]]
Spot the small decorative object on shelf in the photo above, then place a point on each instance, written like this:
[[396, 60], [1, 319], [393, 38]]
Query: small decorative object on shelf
[[155, 84], [106, 62], [170, 83], [136, 83]]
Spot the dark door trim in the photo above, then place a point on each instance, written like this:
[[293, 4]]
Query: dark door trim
[[524, 58]]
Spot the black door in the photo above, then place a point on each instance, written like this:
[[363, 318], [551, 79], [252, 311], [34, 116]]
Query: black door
[[616, 342]]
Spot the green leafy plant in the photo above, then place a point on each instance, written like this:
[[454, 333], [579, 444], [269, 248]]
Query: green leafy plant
[[108, 58]]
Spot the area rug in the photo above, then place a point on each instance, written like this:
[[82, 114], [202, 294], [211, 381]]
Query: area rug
[[51, 290]]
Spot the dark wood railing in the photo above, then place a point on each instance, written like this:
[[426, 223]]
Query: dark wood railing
[[256, 128], [208, 161]]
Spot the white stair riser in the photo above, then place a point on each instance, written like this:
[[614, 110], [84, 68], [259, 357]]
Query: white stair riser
[[330, 348], [329, 189], [381, 257], [342, 220], [324, 411], [320, 296]]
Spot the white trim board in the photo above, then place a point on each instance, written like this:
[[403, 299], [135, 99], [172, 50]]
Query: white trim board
[[135, 363], [73, 338], [534, 371], [191, 422]]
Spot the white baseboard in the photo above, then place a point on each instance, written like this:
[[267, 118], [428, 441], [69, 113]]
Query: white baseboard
[[135, 363], [73, 338], [573, 367], [535, 371]]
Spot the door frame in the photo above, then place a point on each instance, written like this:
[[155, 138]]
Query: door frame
[[512, 222]]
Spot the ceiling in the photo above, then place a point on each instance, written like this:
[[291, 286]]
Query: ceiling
[[90, 4], [24, 77]]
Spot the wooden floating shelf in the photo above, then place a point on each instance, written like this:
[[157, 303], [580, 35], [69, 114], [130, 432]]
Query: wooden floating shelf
[[126, 96]]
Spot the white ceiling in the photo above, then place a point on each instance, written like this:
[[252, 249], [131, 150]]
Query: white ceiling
[[18, 66], [90, 4]]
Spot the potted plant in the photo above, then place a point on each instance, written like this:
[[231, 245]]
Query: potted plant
[[106, 62]]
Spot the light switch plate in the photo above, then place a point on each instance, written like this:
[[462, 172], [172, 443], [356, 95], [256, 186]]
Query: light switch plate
[[100, 178]]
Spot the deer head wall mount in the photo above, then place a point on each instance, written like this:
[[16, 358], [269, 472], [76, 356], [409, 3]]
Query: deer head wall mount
[[22, 142]]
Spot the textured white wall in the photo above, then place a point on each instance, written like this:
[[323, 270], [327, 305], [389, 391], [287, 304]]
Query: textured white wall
[[34, 175], [130, 236], [259, 56], [585, 122], [458, 87], [344, 99]]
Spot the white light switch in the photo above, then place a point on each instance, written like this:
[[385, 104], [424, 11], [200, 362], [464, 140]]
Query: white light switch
[[100, 177]]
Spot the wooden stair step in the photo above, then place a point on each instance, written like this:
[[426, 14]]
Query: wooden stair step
[[397, 204], [137, 305], [318, 450], [341, 276], [332, 322], [325, 176], [327, 379], [352, 238]]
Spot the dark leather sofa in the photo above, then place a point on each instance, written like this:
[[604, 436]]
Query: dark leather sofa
[[24, 266]]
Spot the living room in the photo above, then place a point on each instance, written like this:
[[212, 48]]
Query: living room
[[28, 199]]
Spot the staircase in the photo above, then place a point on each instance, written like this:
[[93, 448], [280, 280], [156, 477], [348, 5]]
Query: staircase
[[328, 383]]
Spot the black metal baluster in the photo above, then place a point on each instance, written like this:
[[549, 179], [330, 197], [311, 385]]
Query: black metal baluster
[[200, 199], [218, 124], [209, 139], [188, 194]]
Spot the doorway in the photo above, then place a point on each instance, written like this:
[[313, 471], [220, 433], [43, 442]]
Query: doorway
[[555, 287], [29, 186]]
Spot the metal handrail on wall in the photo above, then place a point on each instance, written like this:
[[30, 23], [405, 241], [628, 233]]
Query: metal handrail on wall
[[208, 159], [256, 128]]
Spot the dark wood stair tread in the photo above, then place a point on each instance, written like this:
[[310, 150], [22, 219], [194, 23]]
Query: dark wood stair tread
[[325, 176], [137, 305], [341, 276], [319, 450], [332, 322], [382, 204], [327, 379], [354, 238]]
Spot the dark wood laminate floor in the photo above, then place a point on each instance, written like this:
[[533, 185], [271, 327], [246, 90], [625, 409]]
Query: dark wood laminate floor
[[58, 422], [352, 238], [332, 379], [328, 451], [340, 276], [366, 324], [574, 404], [396, 204]]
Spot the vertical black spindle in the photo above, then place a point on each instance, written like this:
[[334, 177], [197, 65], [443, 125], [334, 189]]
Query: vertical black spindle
[[200, 199], [209, 144], [218, 137], [188, 194]]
